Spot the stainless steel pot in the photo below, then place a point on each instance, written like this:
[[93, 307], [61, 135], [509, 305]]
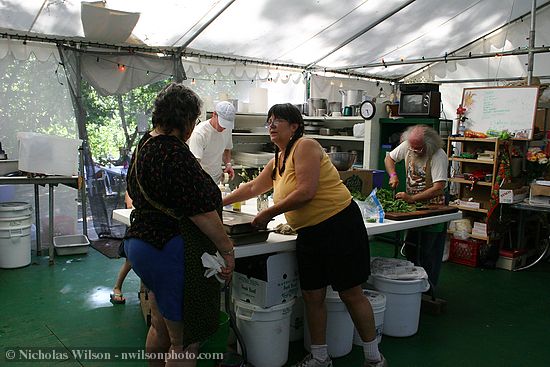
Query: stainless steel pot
[[351, 97], [315, 104], [334, 107]]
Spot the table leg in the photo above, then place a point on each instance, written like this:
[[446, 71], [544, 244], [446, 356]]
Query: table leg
[[84, 208], [51, 222], [37, 220]]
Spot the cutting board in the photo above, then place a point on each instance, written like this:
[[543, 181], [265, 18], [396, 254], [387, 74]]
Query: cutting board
[[237, 222], [429, 211]]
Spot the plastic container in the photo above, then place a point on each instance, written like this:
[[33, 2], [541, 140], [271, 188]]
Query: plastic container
[[378, 303], [15, 247], [15, 234], [48, 154], [265, 332], [15, 214], [339, 327], [403, 299], [297, 320], [217, 343], [73, 244]]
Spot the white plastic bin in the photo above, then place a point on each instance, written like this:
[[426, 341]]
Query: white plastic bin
[[71, 245], [15, 234], [48, 154], [15, 247], [403, 299], [265, 332], [339, 326], [297, 320], [378, 303]]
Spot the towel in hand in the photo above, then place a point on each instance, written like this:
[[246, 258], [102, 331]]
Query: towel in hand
[[213, 265]]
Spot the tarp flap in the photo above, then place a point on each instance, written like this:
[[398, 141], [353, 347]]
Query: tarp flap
[[120, 74]]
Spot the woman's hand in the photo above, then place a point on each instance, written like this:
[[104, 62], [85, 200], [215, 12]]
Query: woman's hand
[[227, 270], [261, 219]]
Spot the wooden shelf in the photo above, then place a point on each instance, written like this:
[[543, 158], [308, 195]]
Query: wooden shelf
[[468, 182], [467, 160], [465, 208], [482, 140]]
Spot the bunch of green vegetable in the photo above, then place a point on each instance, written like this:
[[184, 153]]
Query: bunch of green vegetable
[[391, 204]]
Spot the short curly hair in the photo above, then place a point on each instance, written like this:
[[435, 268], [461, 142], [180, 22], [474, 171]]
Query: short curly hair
[[176, 107]]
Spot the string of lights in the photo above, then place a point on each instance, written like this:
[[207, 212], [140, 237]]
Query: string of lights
[[121, 67]]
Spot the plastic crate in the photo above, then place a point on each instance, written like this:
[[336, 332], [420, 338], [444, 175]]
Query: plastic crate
[[468, 252]]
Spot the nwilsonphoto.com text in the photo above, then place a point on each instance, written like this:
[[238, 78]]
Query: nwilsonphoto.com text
[[23, 354]]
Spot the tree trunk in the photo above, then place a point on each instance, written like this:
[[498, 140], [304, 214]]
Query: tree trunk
[[123, 120]]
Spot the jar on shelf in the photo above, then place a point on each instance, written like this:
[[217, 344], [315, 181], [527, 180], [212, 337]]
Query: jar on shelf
[[262, 202]]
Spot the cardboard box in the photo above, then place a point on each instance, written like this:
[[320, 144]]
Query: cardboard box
[[362, 180], [266, 281], [512, 195], [540, 195]]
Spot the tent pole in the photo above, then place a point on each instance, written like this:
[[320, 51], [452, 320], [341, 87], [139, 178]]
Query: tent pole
[[531, 55], [197, 33]]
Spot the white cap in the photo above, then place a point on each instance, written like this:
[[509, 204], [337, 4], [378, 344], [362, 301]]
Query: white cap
[[226, 114]]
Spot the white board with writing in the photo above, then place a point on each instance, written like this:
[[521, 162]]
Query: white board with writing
[[501, 108]]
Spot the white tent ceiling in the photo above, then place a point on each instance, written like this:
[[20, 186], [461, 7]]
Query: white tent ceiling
[[323, 34]]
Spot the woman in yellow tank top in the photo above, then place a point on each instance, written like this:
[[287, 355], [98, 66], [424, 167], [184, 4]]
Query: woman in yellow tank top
[[332, 244]]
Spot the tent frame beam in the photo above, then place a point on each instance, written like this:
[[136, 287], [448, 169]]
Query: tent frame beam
[[446, 58], [361, 32]]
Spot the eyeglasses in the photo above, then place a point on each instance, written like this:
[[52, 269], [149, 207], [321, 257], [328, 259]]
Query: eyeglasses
[[273, 123], [417, 151]]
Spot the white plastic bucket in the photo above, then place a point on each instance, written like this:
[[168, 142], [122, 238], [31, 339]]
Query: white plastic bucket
[[265, 332], [297, 320], [403, 298], [339, 326], [378, 303], [15, 247], [15, 214], [15, 209]]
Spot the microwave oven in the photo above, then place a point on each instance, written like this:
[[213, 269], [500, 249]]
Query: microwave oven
[[420, 104]]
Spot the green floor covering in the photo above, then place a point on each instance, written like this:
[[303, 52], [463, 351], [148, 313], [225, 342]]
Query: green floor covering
[[493, 317]]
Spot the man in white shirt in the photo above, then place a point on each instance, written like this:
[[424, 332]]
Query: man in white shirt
[[211, 142], [426, 177]]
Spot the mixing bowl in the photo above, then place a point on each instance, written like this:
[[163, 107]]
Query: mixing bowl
[[342, 160]]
